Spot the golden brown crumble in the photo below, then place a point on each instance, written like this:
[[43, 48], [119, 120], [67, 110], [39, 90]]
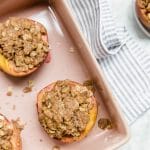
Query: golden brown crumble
[[5, 135], [21, 42], [55, 147], [9, 91], [65, 109], [28, 88], [90, 85], [145, 8], [18, 124], [104, 123], [71, 50]]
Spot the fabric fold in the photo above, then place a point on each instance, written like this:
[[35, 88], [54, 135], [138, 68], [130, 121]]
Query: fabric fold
[[128, 78], [94, 16]]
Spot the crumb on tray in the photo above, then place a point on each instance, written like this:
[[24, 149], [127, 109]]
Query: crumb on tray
[[71, 50], [105, 123], [90, 85], [29, 87], [55, 147], [18, 123], [9, 91]]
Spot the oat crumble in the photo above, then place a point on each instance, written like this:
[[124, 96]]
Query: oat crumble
[[22, 44], [9, 91], [55, 147], [28, 88], [5, 135], [65, 109], [90, 85], [105, 123], [145, 9], [71, 50]]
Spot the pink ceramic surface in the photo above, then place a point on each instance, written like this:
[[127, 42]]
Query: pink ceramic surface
[[79, 66]]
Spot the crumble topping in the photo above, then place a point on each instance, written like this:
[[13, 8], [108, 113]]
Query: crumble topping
[[145, 8], [55, 147], [65, 109], [5, 135], [28, 88], [9, 91], [22, 44], [90, 85], [105, 123]]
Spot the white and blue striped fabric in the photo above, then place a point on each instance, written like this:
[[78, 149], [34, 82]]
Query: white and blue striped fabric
[[125, 65]]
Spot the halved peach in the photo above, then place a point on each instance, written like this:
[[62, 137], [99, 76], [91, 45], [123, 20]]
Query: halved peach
[[92, 113], [8, 67], [142, 13], [15, 138]]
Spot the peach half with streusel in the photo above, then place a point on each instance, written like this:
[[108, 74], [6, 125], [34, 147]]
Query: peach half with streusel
[[23, 46], [67, 110]]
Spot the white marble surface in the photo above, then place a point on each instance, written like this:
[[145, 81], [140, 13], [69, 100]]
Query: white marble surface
[[140, 130]]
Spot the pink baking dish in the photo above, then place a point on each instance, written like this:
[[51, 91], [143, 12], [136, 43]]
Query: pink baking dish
[[78, 65]]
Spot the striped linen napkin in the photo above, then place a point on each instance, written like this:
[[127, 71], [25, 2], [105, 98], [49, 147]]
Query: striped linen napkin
[[125, 65]]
